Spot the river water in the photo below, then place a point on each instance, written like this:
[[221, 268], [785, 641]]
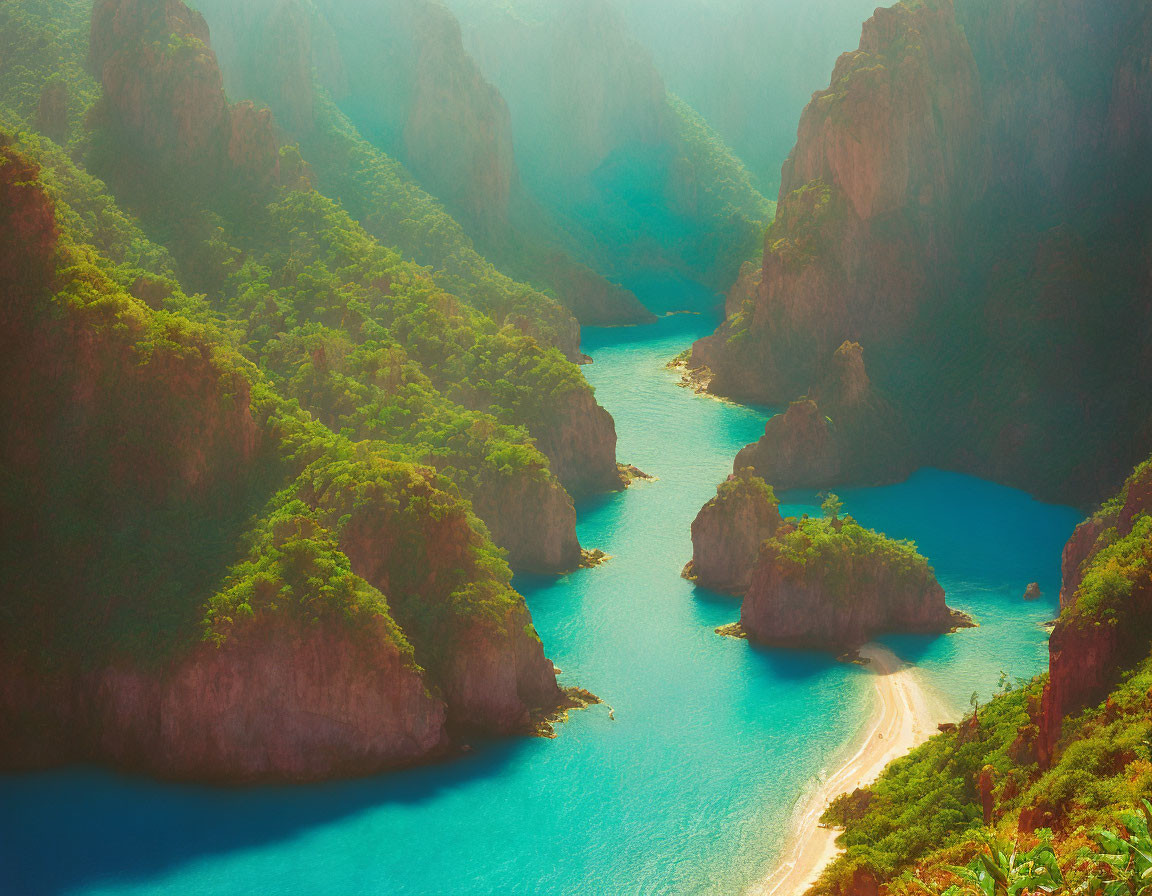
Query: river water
[[688, 790]]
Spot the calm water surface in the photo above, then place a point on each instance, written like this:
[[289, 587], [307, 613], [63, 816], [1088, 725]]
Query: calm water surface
[[689, 790]]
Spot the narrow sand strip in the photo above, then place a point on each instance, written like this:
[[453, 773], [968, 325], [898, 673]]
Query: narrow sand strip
[[905, 718]]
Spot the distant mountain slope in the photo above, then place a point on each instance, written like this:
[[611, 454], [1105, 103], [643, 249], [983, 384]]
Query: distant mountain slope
[[624, 167]]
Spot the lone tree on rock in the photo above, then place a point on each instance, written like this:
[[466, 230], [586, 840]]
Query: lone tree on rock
[[832, 507]]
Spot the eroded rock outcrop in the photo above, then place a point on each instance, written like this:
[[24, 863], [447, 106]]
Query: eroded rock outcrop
[[534, 520], [845, 432], [833, 584], [1106, 602], [580, 442], [728, 531]]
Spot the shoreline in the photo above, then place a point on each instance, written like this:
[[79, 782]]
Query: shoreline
[[905, 718]]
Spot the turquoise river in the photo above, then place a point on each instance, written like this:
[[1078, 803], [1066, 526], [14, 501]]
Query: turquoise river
[[688, 790]]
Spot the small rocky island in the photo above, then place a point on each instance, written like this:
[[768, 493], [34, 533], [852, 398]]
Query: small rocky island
[[827, 583], [728, 532]]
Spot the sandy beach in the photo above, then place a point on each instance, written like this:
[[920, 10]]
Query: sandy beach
[[905, 717]]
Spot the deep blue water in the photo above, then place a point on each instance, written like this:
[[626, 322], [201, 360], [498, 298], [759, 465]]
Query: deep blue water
[[688, 791]]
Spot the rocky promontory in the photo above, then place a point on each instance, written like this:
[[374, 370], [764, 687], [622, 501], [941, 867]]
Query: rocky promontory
[[948, 205], [832, 583], [844, 431], [203, 581], [1106, 602], [728, 532]]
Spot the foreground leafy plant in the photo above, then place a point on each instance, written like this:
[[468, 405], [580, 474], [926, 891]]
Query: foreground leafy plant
[[1004, 871]]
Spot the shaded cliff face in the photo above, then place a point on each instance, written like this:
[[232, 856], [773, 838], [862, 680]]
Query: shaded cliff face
[[818, 440], [580, 442], [949, 204], [836, 585], [1106, 602], [204, 583], [534, 520], [164, 98], [282, 704], [728, 531]]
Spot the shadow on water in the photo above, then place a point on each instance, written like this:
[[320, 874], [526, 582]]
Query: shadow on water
[[128, 829], [794, 664]]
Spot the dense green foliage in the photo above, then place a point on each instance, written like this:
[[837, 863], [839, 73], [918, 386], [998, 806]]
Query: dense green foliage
[[381, 195], [746, 484], [1006, 871], [923, 823], [924, 815], [1121, 564], [270, 389], [841, 547]]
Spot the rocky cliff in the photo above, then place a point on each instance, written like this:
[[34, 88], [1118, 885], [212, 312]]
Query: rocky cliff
[[1106, 602], [580, 442], [164, 99], [284, 704], [833, 584], [534, 520], [205, 583], [728, 531], [819, 439], [949, 204]]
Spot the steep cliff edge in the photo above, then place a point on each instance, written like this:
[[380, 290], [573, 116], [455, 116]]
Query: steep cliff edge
[[204, 582], [580, 441], [953, 200], [834, 584], [728, 531], [845, 432], [485, 342], [1106, 602], [151, 56]]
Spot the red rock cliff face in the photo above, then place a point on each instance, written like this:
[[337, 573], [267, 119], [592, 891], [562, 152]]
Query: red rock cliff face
[[28, 225], [534, 521], [799, 449], [1089, 650], [817, 440], [840, 608], [458, 134], [864, 203], [727, 534], [285, 703], [493, 673], [580, 443], [934, 209]]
